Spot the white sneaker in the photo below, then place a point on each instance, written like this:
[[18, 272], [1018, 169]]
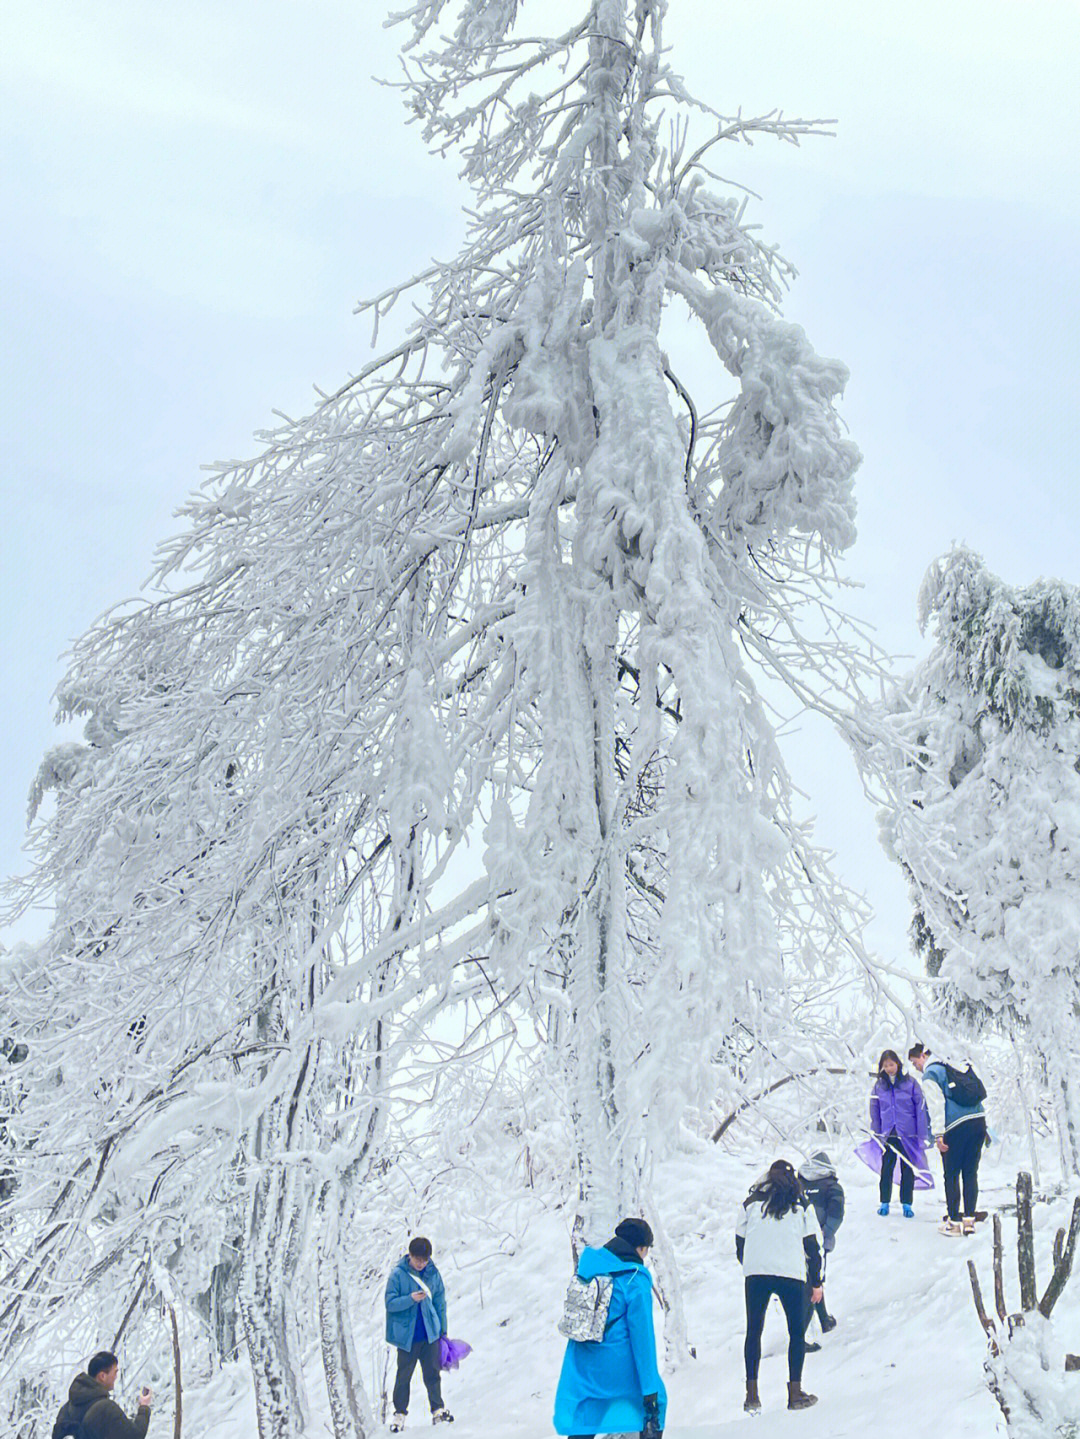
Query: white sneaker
[[441, 1416], [397, 1424], [951, 1227]]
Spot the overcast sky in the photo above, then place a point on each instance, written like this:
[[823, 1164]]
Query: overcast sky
[[195, 197]]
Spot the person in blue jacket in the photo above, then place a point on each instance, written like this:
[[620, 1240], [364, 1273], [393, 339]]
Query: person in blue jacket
[[959, 1131], [415, 1322], [613, 1385]]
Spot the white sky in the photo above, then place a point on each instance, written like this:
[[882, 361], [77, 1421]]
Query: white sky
[[195, 196]]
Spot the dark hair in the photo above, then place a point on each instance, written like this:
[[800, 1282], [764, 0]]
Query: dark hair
[[101, 1363], [779, 1192], [917, 1051], [420, 1247], [890, 1054], [635, 1232]]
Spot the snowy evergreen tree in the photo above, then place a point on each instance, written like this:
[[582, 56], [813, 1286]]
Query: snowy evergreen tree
[[987, 820], [457, 695]]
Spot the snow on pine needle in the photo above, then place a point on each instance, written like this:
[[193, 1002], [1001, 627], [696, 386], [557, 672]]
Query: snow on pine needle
[[986, 819]]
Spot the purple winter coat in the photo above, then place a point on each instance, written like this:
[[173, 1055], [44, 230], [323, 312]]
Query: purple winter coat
[[900, 1105]]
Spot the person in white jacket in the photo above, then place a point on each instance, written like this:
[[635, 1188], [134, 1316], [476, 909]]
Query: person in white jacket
[[778, 1244]]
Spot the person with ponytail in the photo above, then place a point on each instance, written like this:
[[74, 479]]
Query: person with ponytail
[[778, 1244]]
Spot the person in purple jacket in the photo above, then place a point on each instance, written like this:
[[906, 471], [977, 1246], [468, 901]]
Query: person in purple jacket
[[901, 1124]]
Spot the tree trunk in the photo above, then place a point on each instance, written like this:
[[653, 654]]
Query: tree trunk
[[266, 1301], [669, 1289], [1064, 1099], [350, 1408], [598, 969]]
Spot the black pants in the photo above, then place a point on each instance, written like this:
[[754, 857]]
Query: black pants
[[893, 1147], [961, 1164], [792, 1295], [427, 1351], [810, 1307]]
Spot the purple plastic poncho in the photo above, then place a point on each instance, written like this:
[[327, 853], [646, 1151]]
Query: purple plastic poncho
[[452, 1352], [871, 1150], [901, 1109]]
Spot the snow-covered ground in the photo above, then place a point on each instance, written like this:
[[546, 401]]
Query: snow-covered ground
[[906, 1356]]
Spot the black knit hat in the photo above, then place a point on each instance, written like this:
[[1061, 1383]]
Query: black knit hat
[[635, 1232]]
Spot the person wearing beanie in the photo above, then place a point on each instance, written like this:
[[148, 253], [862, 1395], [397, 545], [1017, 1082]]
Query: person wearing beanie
[[613, 1385], [826, 1194], [778, 1244], [636, 1233]]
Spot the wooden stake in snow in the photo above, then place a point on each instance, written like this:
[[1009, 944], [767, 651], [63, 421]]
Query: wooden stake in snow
[[1016, 1339], [176, 1372]]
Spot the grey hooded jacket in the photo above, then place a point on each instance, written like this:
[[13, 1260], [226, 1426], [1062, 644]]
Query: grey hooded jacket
[[825, 1193]]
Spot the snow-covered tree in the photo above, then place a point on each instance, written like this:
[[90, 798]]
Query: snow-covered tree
[[987, 819], [458, 694]]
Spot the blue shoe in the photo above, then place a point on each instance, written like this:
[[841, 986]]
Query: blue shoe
[[909, 1213], [883, 1209]]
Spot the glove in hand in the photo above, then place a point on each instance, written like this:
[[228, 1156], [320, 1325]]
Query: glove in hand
[[652, 1428]]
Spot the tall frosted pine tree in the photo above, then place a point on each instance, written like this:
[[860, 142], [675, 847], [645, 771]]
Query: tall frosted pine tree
[[987, 819]]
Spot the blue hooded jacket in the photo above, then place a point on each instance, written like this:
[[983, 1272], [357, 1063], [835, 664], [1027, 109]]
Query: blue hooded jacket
[[603, 1383], [954, 1113], [401, 1307]]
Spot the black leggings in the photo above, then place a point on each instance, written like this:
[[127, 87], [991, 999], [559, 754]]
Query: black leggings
[[961, 1163], [792, 1295], [810, 1307], [893, 1147]]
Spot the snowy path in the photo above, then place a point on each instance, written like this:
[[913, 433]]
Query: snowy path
[[906, 1355], [906, 1350]]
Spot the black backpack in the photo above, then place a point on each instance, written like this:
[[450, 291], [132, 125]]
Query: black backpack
[[964, 1087], [73, 1428]]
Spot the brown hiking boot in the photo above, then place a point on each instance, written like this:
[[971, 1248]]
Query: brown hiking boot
[[797, 1397], [753, 1403]]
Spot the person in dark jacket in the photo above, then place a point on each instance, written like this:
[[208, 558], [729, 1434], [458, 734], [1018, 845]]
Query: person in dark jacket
[[415, 1322], [90, 1411], [825, 1192], [778, 1244]]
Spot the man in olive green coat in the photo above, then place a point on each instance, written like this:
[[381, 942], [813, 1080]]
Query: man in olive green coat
[[91, 1413]]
